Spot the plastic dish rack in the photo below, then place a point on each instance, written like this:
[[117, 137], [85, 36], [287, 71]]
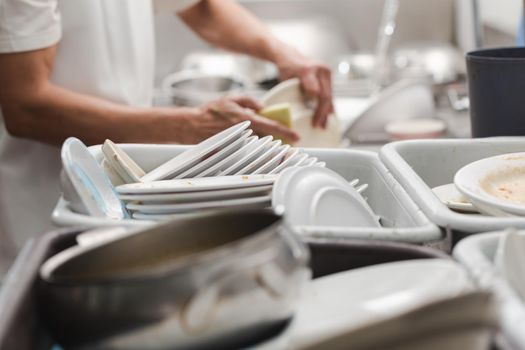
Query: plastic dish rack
[[421, 165], [401, 218]]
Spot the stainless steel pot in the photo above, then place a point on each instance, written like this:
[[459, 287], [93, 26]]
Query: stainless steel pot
[[189, 88], [218, 281]]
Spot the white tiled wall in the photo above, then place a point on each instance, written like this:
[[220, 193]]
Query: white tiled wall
[[503, 15]]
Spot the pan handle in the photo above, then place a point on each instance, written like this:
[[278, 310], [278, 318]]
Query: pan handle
[[200, 310]]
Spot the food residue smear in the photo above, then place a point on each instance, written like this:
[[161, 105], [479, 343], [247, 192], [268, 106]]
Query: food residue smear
[[508, 184]]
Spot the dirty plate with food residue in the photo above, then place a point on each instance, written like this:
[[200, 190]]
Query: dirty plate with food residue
[[495, 185]]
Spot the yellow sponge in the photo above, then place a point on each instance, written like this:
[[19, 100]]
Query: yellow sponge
[[280, 112]]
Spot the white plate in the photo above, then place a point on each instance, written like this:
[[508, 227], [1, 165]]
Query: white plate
[[217, 157], [200, 184], [90, 182], [126, 167], [320, 197], [502, 175], [248, 157], [251, 202], [262, 159], [198, 196], [453, 199], [274, 161], [111, 173], [291, 158], [356, 298], [251, 143], [510, 260], [329, 137], [301, 160], [196, 154], [287, 91], [333, 206], [478, 253], [161, 217], [99, 235], [290, 91], [308, 162]]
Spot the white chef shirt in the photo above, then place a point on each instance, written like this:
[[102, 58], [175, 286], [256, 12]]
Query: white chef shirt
[[106, 49]]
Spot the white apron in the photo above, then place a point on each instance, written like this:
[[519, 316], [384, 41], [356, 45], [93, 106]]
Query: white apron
[[106, 50]]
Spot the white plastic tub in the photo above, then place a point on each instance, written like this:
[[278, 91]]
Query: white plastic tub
[[402, 220], [420, 165], [477, 254]]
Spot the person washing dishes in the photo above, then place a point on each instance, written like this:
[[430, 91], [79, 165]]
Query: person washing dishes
[[85, 68]]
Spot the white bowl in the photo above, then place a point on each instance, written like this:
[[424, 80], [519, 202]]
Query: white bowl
[[495, 185], [424, 128], [318, 196]]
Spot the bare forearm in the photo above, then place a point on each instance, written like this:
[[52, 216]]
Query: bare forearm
[[54, 113], [226, 24]]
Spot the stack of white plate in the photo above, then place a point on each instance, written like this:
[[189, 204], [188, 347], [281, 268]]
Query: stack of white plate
[[495, 185], [231, 169], [234, 151], [163, 199]]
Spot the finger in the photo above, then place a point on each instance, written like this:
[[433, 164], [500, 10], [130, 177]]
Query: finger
[[265, 126], [321, 115], [310, 84], [232, 112], [247, 102], [325, 104]]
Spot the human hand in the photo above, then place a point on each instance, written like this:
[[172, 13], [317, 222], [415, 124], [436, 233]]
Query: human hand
[[316, 82], [218, 115]]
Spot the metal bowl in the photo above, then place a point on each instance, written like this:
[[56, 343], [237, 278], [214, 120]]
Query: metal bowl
[[189, 88], [217, 281]]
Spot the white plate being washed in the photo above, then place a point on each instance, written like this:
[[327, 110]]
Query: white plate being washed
[[196, 154], [495, 185], [289, 91]]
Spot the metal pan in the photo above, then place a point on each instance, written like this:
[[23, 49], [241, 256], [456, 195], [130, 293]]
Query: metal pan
[[218, 280]]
